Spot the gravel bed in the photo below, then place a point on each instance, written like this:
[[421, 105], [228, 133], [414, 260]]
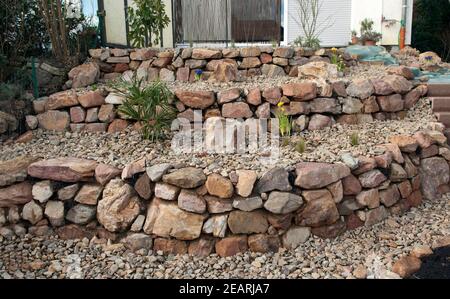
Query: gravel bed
[[120, 149], [363, 252]]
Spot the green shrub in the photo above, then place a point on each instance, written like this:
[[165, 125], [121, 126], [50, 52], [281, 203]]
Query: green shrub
[[149, 105]]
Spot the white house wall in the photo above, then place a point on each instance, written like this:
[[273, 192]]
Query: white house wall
[[375, 9], [335, 13]]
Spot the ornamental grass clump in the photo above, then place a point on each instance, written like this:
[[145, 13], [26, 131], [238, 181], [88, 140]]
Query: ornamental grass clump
[[149, 105], [354, 139], [300, 147]]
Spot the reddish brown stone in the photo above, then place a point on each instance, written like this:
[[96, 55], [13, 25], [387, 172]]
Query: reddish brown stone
[[171, 246], [183, 74], [117, 125], [228, 95], [250, 62], [77, 114], [25, 137], [330, 231], [143, 187], [74, 232], [54, 120], [15, 195], [319, 212], [353, 222], [106, 113], [236, 110], [104, 173], [196, 99], [282, 222], [415, 199], [254, 97], [300, 91], [265, 58], [405, 143], [162, 62], [405, 189], [62, 99], [365, 164], [263, 243], [407, 266], [91, 99], [202, 247], [69, 170], [231, 246], [272, 95]]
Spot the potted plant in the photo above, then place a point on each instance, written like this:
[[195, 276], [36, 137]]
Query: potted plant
[[355, 39], [368, 36]]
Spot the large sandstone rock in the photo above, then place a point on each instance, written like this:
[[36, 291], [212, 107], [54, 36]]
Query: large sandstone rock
[[318, 69], [68, 170], [119, 206], [217, 205], [272, 70], [84, 75], [263, 243], [319, 212], [190, 201], [62, 99], [300, 91], [276, 178], [135, 167], [392, 103], [241, 222], [14, 170], [54, 120], [81, 214], [236, 110], [372, 179], [246, 181], [325, 105], [360, 88], [399, 84], [187, 178], [42, 191], [166, 219], [89, 194], [319, 122], [248, 204], [434, 172], [198, 53], [91, 99], [166, 246], [196, 99], [8, 122], [104, 173], [216, 225], [225, 72], [32, 212], [231, 246], [318, 175], [219, 186], [135, 242], [54, 211], [17, 194], [295, 236], [283, 202]]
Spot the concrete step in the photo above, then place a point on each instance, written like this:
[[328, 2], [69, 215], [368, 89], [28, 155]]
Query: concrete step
[[444, 117], [438, 90], [440, 104]]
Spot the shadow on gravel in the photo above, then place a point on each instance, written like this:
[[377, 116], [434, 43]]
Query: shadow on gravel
[[436, 266]]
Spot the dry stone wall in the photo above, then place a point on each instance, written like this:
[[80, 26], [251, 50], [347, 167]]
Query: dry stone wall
[[181, 210], [231, 64], [312, 106]]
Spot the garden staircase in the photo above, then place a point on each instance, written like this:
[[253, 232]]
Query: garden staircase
[[440, 103]]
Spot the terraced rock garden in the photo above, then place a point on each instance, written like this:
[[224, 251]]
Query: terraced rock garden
[[362, 160]]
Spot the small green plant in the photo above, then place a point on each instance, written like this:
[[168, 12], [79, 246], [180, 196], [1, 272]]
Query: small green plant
[[300, 147], [285, 141], [367, 32], [198, 75], [232, 44], [94, 87], [285, 122], [191, 43], [354, 139], [274, 43], [311, 42], [149, 105], [337, 59]]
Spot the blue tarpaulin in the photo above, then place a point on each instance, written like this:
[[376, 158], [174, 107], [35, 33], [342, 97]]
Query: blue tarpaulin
[[371, 54]]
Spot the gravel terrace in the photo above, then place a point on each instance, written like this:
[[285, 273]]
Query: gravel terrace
[[122, 148], [356, 254]]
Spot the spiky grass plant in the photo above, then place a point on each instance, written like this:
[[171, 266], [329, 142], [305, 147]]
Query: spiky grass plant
[[354, 139], [300, 147], [147, 104]]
